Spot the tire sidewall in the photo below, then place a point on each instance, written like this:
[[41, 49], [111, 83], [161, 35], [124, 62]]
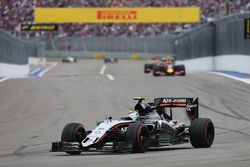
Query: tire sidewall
[[201, 133], [134, 135]]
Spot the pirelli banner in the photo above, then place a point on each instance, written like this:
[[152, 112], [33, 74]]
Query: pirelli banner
[[118, 15]]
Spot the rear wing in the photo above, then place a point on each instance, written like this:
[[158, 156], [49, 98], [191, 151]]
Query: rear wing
[[190, 104]]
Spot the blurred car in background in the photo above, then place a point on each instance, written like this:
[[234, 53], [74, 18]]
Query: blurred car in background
[[69, 59], [110, 60], [148, 67], [168, 68]]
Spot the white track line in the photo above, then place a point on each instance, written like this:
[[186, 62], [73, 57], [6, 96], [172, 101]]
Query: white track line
[[13, 77], [232, 77], [102, 69], [47, 69], [4, 79], [41, 74], [110, 77]]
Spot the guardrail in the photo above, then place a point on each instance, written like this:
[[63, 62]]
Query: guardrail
[[15, 50], [15, 54]]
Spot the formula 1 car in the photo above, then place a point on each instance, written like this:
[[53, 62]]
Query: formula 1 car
[[149, 125], [110, 60], [69, 59], [168, 68], [148, 67]]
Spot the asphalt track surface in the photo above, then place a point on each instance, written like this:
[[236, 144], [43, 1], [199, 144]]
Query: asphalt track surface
[[33, 112]]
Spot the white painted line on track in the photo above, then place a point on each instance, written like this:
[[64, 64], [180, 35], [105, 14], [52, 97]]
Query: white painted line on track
[[13, 77], [102, 69], [110, 77], [36, 70], [247, 81], [4, 79], [47, 69]]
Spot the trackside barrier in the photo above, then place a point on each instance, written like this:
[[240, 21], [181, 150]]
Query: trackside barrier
[[239, 63], [136, 56], [203, 44], [16, 54], [98, 56]]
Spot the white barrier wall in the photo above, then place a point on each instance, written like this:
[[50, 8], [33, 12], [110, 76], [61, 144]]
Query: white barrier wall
[[37, 60], [239, 63], [11, 70]]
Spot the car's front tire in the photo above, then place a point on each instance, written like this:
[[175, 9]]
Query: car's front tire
[[73, 132], [138, 135], [201, 133], [181, 68], [146, 66], [157, 70]]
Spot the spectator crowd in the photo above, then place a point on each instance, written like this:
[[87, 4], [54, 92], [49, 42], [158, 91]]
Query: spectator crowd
[[13, 13]]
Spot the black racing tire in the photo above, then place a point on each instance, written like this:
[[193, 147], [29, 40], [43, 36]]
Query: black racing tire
[[181, 68], [145, 67], [157, 69], [73, 132], [138, 135], [155, 74], [201, 133]]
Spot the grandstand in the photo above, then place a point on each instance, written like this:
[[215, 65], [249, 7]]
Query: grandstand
[[14, 13]]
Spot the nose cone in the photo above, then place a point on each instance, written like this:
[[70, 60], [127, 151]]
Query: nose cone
[[170, 70]]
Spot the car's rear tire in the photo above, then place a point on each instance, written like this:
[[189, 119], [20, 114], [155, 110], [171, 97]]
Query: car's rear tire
[[73, 132], [201, 133], [138, 135]]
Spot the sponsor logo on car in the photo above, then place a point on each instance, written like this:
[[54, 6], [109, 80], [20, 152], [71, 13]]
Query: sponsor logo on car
[[169, 100]]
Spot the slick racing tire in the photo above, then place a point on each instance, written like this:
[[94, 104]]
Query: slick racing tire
[[201, 133], [73, 132], [138, 135], [155, 71], [106, 60], [181, 68], [146, 66]]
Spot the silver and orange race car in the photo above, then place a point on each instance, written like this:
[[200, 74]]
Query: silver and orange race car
[[168, 67], [148, 125]]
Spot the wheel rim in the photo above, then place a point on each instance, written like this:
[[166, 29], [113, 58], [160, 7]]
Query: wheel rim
[[143, 136], [209, 133], [79, 134]]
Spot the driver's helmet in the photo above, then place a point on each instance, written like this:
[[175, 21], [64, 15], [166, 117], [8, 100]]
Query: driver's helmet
[[133, 115], [142, 108], [169, 60]]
